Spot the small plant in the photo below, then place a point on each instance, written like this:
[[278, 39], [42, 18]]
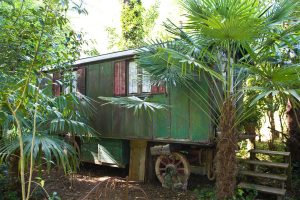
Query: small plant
[[205, 193], [54, 196], [208, 193], [244, 194]]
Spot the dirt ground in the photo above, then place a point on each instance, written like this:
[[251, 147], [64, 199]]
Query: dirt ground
[[98, 182]]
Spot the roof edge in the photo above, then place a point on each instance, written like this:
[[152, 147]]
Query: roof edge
[[107, 56]]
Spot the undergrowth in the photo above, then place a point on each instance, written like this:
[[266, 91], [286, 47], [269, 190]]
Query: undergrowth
[[209, 193]]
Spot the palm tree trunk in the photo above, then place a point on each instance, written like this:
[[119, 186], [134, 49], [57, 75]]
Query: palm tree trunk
[[293, 125], [226, 163]]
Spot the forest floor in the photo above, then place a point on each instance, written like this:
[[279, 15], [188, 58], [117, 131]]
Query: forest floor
[[97, 182]]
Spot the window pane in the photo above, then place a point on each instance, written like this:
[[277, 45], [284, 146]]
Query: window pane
[[70, 82], [133, 78], [146, 83]]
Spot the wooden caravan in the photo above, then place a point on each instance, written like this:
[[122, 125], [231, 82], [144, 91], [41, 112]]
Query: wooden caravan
[[169, 143]]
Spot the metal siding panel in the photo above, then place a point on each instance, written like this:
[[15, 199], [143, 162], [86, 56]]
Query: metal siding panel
[[179, 113]]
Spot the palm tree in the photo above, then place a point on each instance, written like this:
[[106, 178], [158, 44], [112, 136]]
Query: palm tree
[[223, 40], [44, 130]]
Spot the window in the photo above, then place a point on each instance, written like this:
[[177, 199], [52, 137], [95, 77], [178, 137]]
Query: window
[[129, 79], [138, 79], [69, 82]]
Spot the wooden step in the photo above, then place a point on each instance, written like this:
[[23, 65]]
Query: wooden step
[[267, 163], [263, 175], [262, 188], [280, 153]]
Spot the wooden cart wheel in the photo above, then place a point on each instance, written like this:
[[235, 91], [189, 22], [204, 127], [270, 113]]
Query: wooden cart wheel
[[173, 170]]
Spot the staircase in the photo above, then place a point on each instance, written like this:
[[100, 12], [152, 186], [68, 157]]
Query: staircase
[[254, 173]]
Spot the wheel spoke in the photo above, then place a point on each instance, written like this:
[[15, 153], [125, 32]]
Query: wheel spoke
[[162, 162], [178, 163]]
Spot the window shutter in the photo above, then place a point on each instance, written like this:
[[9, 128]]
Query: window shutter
[[162, 89], [81, 80], [120, 78], [158, 89], [55, 84], [154, 89]]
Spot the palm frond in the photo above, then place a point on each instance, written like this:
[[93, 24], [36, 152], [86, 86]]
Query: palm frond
[[135, 103], [53, 148]]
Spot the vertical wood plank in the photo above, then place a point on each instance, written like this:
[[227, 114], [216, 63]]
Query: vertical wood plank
[[179, 113], [137, 160], [81, 80]]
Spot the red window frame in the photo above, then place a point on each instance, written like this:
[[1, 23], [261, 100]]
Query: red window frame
[[121, 81]]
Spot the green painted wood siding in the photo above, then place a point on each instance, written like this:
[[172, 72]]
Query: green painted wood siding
[[184, 121]]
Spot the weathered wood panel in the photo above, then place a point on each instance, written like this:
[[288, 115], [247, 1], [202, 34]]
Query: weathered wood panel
[[105, 84], [179, 113], [137, 160], [99, 82], [161, 119], [92, 90], [183, 121], [200, 122], [81, 78], [143, 125]]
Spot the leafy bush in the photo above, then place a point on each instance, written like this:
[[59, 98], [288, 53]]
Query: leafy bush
[[206, 192]]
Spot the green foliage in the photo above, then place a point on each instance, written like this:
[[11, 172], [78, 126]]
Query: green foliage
[[205, 193], [39, 26], [136, 25], [56, 116], [5, 189], [208, 193], [132, 23], [228, 41], [134, 103], [54, 196], [35, 37]]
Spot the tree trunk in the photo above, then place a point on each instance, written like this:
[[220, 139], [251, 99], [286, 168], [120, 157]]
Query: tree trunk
[[293, 125], [272, 130], [226, 163], [250, 130], [274, 133]]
